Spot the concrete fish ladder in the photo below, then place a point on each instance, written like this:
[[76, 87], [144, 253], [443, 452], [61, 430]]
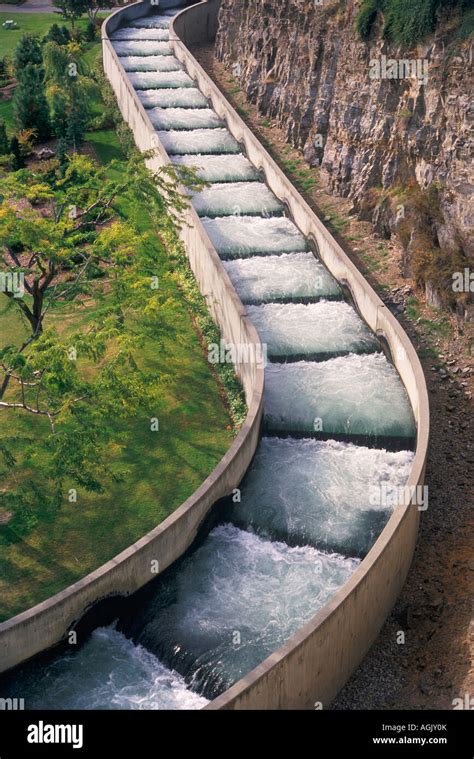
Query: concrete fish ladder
[[266, 256]]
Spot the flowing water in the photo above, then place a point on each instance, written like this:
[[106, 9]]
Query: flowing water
[[317, 330], [289, 278], [233, 602], [310, 506], [219, 168], [184, 118], [353, 395], [235, 237], [152, 63], [179, 97], [249, 198], [318, 493]]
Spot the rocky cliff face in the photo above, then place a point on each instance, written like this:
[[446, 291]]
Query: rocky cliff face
[[399, 147]]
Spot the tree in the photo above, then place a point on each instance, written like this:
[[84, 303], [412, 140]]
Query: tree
[[58, 34], [93, 7], [15, 149], [30, 106], [68, 91], [28, 51], [4, 146], [66, 244], [72, 9]]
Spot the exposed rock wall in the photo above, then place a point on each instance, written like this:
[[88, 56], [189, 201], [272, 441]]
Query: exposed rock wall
[[304, 66]]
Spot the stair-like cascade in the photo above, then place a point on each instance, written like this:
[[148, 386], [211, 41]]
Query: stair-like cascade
[[338, 429]]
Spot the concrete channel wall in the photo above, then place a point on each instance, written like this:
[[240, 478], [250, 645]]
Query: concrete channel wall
[[48, 623], [311, 667]]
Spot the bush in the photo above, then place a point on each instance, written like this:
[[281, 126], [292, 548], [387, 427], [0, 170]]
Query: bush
[[366, 18], [28, 51], [30, 107], [90, 31], [58, 34], [4, 146], [406, 21]]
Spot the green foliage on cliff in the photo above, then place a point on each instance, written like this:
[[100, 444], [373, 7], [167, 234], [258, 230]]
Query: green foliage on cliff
[[407, 21]]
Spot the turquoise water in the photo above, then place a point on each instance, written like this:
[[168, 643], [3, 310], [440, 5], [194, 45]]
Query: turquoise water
[[290, 277], [317, 330], [237, 198], [220, 168], [184, 118], [313, 492], [233, 602], [352, 395], [236, 237]]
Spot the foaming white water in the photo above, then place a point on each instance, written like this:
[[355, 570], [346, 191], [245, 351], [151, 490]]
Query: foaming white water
[[199, 141], [273, 278], [142, 47], [132, 33], [150, 22], [178, 97], [234, 601], [234, 237], [220, 168], [325, 328], [108, 672], [184, 118], [353, 395], [151, 63], [315, 492], [152, 80], [247, 198]]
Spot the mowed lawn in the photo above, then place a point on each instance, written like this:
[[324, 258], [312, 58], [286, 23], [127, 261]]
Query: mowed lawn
[[162, 468], [32, 23]]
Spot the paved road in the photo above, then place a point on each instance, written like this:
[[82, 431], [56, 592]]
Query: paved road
[[31, 6]]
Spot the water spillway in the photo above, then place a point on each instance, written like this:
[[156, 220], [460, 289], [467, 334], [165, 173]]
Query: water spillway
[[338, 428]]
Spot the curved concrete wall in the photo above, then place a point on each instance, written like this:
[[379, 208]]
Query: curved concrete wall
[[48, 623], [316, 662]]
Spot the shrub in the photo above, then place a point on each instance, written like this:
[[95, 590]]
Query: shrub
[[27, 52], [30, 107], [366, 18], [406, 22]]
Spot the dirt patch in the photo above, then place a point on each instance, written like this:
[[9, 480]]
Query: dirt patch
[[431, 664]]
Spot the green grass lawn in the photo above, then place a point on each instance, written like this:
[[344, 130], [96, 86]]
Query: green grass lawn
[[32, 23], [164, 467]]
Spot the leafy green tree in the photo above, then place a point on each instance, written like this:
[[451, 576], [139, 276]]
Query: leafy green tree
[[4, 146], [70, 244], [71, 10], [93, 7], [27, 52], [30, 106]]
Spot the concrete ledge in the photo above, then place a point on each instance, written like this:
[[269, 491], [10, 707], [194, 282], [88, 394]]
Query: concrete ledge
[[316, 662], [48, 623]]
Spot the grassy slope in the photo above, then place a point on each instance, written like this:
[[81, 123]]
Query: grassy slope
[[165, 467]]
